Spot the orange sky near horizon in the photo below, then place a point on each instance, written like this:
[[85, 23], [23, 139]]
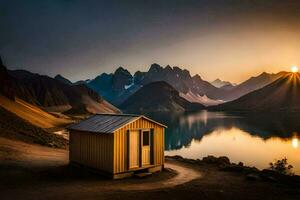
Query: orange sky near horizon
[[231, 40], [235, 54]]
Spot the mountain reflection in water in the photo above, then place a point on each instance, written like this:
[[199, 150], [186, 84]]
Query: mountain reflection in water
[[255, 139]]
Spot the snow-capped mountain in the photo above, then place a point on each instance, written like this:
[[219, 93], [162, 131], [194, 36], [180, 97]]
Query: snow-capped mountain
[[197, 98], [118, 86], [219, 83]]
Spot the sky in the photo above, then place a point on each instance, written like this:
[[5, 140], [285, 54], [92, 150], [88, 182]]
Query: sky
[[228, 39]]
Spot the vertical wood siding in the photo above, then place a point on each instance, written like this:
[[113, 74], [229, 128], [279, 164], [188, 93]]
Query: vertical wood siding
[[92, 149], [121, 142]]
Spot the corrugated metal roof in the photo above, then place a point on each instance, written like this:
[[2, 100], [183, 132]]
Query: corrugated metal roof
[[106, 123]]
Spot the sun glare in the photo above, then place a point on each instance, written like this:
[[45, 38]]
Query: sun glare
[[294, 69], [295, 143]]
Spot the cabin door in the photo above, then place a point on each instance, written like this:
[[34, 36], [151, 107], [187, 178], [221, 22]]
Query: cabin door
[[134, 143], [145, 148]]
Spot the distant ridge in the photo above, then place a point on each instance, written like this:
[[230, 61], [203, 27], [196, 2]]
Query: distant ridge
[[63, 79], [47, 92], [281, 95], [219, 83], [251, 84]]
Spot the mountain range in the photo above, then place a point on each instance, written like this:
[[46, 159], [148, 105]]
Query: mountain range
[[49, 93], [281, 95], [118, 86], [177, 89]]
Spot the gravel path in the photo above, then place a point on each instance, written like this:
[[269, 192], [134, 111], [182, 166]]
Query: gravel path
[[184, 175], [30, 155]]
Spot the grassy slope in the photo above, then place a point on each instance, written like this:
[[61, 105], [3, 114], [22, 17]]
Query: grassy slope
[[31, 113], [99, 107], [14, 127]]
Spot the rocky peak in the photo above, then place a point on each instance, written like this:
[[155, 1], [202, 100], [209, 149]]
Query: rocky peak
[[121, 70], [264, 75], [168, 68], [62, 79], [139, 76], [186, 73], [197, 77], [220, 84], [138, 73], [121, 78], [155, 68], [103, 76]]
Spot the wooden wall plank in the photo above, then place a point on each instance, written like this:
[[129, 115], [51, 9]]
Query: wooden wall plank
[[120, 142], [93, 150]]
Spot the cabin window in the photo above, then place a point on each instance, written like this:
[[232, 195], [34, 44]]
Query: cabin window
[[146, 139]]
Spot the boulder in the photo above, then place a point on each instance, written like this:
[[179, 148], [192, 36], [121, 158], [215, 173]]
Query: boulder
[[177, 157], [221, 161], [252, 177]]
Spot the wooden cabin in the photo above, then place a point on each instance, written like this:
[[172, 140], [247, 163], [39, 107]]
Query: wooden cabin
[[117, 144]]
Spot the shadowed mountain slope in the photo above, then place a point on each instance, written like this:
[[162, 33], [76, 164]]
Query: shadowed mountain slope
[[250, 85], [46, 92], [158, 96], [62, 79], [281, 95], [115, 87]]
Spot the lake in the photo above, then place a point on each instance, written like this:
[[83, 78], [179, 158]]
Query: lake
[[255, 139]]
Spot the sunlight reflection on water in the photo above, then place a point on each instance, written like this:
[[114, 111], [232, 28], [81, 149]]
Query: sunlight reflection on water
[[295, 143], [254, 140], [241, 146]]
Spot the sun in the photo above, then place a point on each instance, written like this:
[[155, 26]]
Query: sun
[[294, 69], [295, 143]]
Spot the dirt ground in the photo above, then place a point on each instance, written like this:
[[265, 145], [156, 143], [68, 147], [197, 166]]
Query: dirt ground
[[30, 171]]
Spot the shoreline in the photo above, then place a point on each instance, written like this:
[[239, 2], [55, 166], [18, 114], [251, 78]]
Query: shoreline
[[31, 170], [223, 163]]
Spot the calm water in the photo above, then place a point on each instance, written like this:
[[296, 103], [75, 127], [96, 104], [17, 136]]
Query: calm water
[[255, 139]]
